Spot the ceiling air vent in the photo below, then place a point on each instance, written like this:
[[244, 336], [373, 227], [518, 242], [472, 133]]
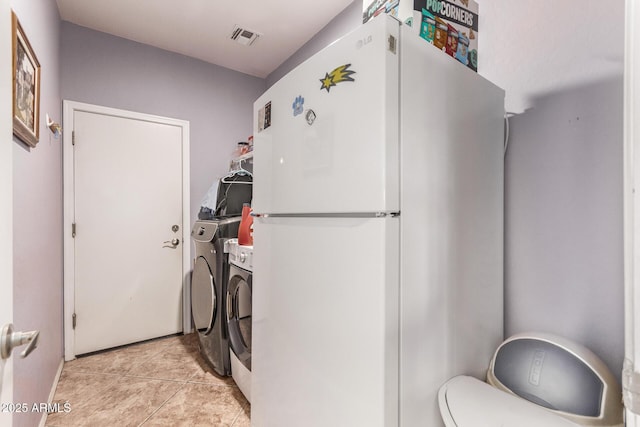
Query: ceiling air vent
[[244, 36]]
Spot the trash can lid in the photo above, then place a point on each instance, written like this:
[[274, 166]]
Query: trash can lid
[[468, 402]]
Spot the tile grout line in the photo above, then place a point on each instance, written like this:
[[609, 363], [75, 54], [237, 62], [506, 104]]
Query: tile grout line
[[189, 379], [113, 374], [237, 416], [185, 383], [162, 404]]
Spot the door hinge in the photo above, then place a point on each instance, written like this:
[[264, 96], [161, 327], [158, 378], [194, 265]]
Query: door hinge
[[73, 230], [73, 320], [73, 137]]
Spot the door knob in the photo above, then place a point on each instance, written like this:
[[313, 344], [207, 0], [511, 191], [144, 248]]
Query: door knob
[[10, 340], [174, 243]]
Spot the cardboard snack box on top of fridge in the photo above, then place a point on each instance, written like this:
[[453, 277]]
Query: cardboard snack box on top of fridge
[[450, 25]]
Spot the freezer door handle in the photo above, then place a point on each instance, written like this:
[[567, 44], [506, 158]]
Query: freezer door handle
[[329, 215]]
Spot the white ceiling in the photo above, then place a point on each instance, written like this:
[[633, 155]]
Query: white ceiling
[[202, 28], [551, 52], [536, 47]]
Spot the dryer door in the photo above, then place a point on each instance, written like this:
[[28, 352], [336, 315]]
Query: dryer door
[[203, 296], [239, 314]]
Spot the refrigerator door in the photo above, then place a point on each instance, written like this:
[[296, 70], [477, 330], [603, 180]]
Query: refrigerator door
[[326, 135], [325, 322]]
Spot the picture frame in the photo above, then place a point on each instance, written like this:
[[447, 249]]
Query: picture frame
[[26, 86]]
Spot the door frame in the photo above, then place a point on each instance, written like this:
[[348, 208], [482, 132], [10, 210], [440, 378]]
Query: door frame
[[69, 109], [6, 204], [631, 372]]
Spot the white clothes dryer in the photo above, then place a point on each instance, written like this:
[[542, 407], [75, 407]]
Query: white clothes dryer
[[239, 295]]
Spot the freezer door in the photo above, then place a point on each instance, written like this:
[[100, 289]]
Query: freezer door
[[326, 135], [325, 322]]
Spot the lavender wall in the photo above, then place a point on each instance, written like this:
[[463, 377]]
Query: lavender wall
[[99, 68], [37, 213], [563, 207], [344, 22], [563, 194], [564, 237]]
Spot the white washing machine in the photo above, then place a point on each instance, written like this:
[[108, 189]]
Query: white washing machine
[[239, 291]]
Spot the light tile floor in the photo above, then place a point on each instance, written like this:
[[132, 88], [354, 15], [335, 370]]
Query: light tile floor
[[163, 382]]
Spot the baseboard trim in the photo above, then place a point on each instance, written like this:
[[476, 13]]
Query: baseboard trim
[[52, 393]]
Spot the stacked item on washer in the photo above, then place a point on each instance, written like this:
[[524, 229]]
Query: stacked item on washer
[[227, 195]]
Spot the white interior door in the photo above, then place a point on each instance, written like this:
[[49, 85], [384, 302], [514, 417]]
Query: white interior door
[[129, 221], [6, 205]]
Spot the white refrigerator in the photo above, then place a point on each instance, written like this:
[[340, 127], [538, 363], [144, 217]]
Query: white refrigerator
[[378, 242]]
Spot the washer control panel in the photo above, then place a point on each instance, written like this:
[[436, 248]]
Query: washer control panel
[[241, 256]]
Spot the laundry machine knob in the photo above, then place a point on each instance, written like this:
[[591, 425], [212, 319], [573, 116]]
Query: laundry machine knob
[[243, 257]]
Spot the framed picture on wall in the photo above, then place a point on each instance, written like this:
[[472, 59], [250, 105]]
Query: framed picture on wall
[[26, 87]]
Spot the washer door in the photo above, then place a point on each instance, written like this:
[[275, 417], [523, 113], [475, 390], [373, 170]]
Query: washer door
[[239, 314], [203, 296]]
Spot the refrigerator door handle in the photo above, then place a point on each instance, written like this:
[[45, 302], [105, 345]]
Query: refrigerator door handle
[[329, 215]]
